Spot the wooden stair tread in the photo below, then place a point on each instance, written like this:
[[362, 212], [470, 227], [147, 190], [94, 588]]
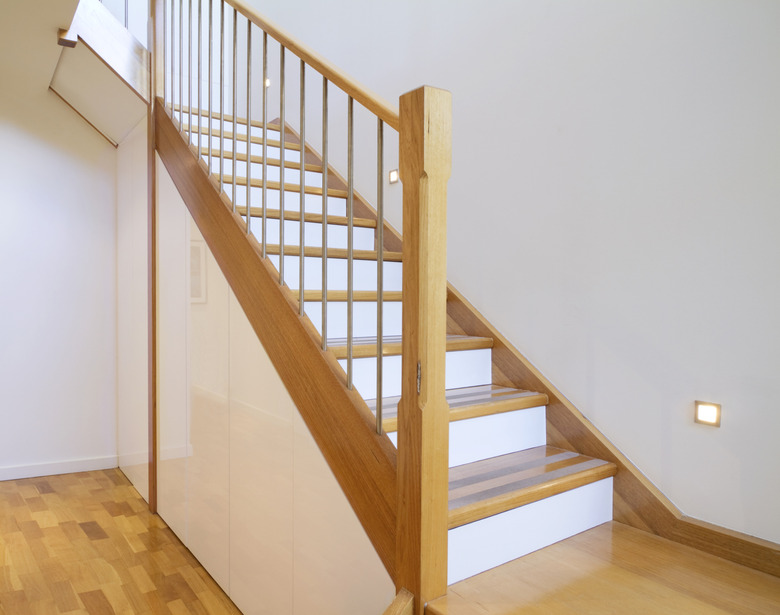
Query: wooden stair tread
[[215, 115], [391, 345], [295, 216], [341, 295], [217, 152], [469, 402], [256, 140], [316, 252], [491, 486], [288, 187]]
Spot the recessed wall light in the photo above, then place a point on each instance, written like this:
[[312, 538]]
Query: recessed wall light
[[707, 413], [267, 82], [394, 176]]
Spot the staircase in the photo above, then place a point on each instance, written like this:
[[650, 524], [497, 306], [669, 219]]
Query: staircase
[[509, 492]]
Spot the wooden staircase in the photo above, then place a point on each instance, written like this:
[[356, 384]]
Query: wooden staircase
[[509, 492]]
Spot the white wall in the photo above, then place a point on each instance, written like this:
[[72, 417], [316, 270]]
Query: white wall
[[132, 400], [622, 160], [57, 266]]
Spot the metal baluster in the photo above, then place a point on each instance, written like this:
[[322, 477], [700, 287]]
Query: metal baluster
[[181, 65], [221, 95], [350, 255], [281, 167], [211, 77], [127, 14], [189, 77], [380, 255], [324, 213], [165, 51], [302, 229], [248, 126], [200, 77], [264, 194], [234, 198]]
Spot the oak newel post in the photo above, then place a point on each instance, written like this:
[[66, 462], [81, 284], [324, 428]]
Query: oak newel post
[[423, 421]]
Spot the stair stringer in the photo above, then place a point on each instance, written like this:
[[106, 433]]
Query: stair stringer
[[363, 462], [636, 501]]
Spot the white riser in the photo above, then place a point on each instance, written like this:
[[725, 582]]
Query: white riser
[[487, 543], [363, 238], [464, 368], [364, 318], [292, 176], [257, 131], [292, 200], [364, 273], [493, 435], [290, 155]]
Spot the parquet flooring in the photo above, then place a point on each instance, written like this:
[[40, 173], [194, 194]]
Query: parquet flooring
[[86, 544]]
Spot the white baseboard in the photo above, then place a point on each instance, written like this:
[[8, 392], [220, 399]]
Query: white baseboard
[[58, 467]]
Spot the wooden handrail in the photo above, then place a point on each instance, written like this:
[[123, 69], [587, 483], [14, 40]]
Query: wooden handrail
[[371, 101], [423, 412], [402, 604]]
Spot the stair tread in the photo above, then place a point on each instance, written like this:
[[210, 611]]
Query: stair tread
[[491, 486], [257, 159], [341, 295], [391, 345], [316, 252], [295, 216], [227, 135], [272, 124], [288, 187], [469, 402]]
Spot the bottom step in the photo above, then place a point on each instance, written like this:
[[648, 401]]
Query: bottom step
[[613, 568], [506, 507]]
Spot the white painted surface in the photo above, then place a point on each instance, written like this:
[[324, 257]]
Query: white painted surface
[[364, 273], [57, 263], [493, 435], [495, 540], [496, 434], [253, 495], [628, 209], [465, 368], [65, 466], [95, 91], [364, 314], [132, 401]]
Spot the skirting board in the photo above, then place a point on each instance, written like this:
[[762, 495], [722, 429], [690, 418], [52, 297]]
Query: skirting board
[[58, 467]]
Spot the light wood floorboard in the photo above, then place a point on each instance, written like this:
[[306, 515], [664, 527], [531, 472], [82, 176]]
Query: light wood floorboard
[[86, 544], [618, 569]]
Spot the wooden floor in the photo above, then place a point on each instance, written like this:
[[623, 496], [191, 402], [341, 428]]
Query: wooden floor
[[614, 569], [86, 544]]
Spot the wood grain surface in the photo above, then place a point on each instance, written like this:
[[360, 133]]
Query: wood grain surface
[[86, 544]]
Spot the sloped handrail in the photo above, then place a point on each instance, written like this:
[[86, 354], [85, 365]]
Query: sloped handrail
[[385, 111]]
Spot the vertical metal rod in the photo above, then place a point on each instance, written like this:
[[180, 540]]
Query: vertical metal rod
[[350, 221], [380, 257], [165, 52], [190, 138], [211, 77], [127, 14], [233, 196], [264, 194], [324, 213], [248, 126], [181, 65], [200, 77], [221, 94], [302, 224], [281, 167]]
